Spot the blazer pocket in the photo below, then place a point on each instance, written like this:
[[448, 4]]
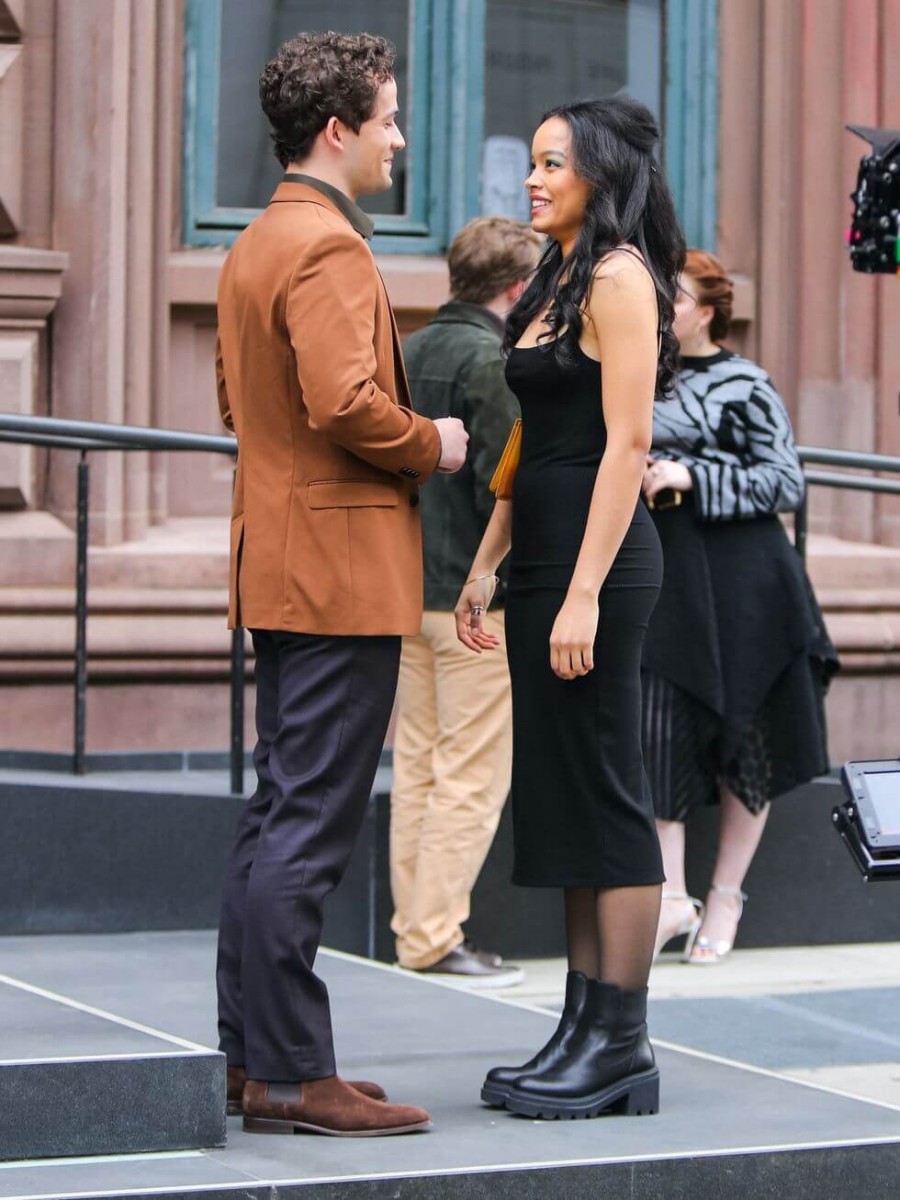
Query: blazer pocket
[[351, 493]]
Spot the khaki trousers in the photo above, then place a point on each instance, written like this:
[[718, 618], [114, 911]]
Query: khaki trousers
[[452, 763]]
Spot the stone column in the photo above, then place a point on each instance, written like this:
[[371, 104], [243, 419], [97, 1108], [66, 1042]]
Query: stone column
[[887, 509], [115, 129], [793, 73]]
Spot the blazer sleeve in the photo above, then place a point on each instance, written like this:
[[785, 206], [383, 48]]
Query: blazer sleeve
[[224, 406], [330, 312], [769, 478]]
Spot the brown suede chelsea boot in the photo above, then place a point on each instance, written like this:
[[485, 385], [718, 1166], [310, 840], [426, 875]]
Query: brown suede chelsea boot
[[328, 1106], [236, 1078]]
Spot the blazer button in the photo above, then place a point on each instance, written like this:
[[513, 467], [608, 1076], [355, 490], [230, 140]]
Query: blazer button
[[414, 500]]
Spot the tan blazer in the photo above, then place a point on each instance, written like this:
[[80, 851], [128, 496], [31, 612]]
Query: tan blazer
[[325, 535]]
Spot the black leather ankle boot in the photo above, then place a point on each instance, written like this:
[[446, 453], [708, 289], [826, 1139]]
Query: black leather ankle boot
[[608, 1063], [501, 1079]]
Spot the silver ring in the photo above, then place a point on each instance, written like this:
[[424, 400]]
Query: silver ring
[[477, 610]]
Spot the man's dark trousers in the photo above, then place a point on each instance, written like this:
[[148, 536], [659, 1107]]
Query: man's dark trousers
[[322, 709]]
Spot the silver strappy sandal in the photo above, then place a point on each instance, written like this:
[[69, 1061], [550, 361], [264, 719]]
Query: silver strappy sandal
[[714, 952], [687, 926]]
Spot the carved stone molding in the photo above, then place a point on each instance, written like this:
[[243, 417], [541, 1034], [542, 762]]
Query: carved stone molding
[[18, 386], [9, 26], [30, 284]]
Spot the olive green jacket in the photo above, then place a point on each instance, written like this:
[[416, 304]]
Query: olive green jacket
[[456, 369]]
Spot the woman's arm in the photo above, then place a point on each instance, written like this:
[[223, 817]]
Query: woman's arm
[[769, 477], [622, 311], [478, 590]]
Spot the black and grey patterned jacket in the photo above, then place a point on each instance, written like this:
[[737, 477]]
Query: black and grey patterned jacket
[[726, 423]]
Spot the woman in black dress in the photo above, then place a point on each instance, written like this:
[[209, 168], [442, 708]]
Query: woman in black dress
[[590, 344], [737, 659]]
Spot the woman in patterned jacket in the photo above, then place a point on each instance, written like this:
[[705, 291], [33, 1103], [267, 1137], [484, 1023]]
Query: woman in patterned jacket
[[737, 658]]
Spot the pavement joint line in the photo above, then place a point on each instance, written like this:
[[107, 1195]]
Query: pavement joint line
[[100, 1057], [775, 1004], [251, 1182], [102, 1013], [103, 1159], [770, 1074], [398, 972]]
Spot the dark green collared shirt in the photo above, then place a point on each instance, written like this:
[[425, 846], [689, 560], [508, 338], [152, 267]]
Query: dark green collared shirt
[[361, 221]]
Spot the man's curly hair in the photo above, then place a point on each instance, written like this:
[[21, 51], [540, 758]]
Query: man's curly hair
[[316, 76]]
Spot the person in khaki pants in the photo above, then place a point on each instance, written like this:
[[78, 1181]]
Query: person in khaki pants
[[453, 741]]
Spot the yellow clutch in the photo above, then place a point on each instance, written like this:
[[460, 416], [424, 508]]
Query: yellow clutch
[[502, 482]]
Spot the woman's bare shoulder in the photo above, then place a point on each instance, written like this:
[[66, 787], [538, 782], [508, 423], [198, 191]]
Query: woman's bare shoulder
[[622, 276], [624, 261]]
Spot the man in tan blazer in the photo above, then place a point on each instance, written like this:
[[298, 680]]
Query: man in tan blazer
[[326, 566]]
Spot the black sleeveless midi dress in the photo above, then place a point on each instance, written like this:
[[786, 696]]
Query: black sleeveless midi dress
[[581, 805]]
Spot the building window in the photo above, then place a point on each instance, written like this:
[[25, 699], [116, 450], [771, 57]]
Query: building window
[[474, 78], [247, 171], [230, 170], [541, 53]]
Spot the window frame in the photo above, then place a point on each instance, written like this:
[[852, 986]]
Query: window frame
[[421, 230]]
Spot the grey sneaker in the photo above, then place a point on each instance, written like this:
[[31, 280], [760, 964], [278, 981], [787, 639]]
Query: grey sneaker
[[472, 968]]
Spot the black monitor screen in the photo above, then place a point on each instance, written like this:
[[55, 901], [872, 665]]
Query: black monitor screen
[[884, 790]]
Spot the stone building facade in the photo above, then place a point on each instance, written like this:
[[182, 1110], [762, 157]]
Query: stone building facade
[[108, 271]]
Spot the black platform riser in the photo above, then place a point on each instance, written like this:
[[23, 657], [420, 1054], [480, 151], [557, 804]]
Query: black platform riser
[[92, 861]]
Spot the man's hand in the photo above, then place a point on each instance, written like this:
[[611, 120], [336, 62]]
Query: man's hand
[[454, 440]]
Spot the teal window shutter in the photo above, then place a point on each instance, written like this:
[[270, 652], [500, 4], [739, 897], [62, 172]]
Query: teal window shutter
[[692, 115]]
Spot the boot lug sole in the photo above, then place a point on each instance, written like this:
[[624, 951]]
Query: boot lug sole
[[494, 1096], [618, 1096]]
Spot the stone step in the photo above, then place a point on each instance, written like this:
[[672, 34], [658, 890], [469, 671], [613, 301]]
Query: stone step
[[77, 1080], [837, 564]]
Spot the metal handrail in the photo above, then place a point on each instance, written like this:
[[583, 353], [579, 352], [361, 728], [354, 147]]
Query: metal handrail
[[848, 458], [859, 483], [102, 436], [85, 436]]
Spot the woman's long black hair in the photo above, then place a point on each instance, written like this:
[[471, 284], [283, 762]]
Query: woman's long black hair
[[612, 144]]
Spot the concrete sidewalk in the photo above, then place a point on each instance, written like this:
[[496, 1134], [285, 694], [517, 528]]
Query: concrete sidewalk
[[837, 1006]]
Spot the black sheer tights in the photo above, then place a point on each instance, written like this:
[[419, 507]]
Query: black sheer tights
[[611, 932]]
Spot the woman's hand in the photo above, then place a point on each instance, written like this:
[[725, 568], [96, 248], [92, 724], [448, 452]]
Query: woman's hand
[[572, 636], [660, 474], [474, 601]]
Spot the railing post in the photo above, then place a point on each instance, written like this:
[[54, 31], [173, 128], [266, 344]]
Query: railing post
[[801, 524], [78, 759]]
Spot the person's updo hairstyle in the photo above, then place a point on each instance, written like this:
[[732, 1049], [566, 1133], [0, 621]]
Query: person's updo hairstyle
[[714, 289], [612, 146]]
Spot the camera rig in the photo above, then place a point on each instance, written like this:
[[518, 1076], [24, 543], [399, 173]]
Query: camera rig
[[874, 234]]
